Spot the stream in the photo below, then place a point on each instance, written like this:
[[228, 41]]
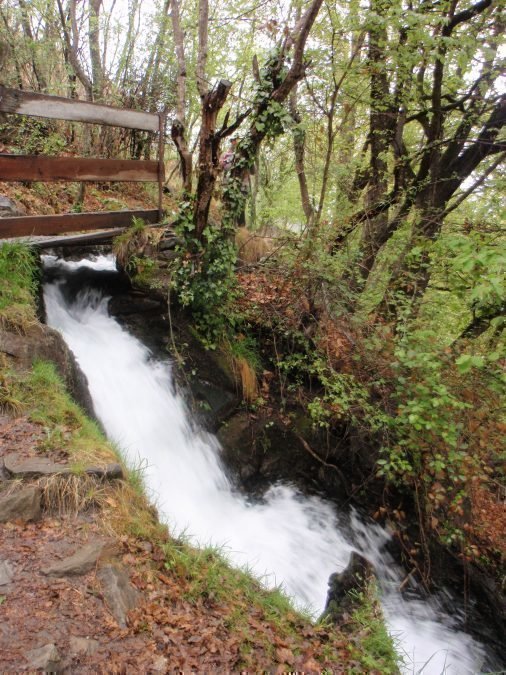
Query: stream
[[287, 538]]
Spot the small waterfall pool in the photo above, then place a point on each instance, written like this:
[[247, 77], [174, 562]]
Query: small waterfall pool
[[287, 539]]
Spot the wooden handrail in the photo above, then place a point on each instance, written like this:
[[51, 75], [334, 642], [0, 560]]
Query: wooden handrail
[[77, 169], [56, 107]]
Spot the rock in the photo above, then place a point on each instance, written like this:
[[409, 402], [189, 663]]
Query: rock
[[355, 577], [81, 646], [126, 305], [44, 658], [9, 208], [41, 343], [119, 594], [20, 505], [6, 573], [169, 255], [81, 562], [168, 243], [32, 467], [110, 472]]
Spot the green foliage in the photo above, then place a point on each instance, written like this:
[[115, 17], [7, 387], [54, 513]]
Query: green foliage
[[427, 426], [203, 274], [31, 136], [477, 271]]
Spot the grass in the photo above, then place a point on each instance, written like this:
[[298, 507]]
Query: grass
[[42, 394], [130, 243], [18, 284], [376, 647]]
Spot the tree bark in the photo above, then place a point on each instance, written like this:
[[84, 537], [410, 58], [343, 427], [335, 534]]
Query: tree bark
[[299, 150], [71, 40], [97, 70], [209, 146], [178, 129], [37, 70]]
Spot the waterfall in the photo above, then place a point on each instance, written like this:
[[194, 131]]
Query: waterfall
[[286, 538]]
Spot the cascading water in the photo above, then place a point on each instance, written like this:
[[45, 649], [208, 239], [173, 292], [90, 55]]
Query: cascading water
[[287, 538]]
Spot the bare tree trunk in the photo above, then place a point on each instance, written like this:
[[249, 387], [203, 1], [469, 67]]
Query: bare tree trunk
[[209, 148], [299, 150], [379, 139], [71, 40], [202, 53], [37, 70], [178, 130], [95, 54]]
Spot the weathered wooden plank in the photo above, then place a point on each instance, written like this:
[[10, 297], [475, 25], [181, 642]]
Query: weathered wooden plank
[[39, 168], [22, 226], [89, 238], [56, 107]]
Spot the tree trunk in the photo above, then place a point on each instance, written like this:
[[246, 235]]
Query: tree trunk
[[299, 149], [178, 130], [380, 128], [95, 54], [209, 147]]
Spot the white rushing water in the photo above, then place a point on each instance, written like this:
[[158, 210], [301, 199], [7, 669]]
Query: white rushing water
[[287, 539]]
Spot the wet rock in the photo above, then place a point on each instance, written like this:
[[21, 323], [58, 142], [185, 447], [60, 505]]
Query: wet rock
[[81, 646], [126, 305], [32, 467], [44, 658], [120, 596], [9, 208], [355, 577], [21, 505], [6, 572], [81, 562], [110, 472]]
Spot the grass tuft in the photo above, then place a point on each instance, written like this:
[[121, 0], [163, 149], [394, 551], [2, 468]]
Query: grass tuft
[[71, 494]]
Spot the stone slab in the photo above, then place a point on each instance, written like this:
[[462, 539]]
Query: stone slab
[[119, 594], [21, 505], [80, 562]]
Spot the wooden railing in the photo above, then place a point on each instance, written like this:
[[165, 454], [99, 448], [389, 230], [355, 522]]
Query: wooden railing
[[41, 168]]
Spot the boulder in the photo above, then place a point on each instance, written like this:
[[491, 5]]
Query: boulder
[[32, 467], [9, 208], [355, 577], [44, 658], [6, 573], [40, 342], [120, 596], [21, 505], [80, 562]]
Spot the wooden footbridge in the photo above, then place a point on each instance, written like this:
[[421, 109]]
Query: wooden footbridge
[[79, 169]]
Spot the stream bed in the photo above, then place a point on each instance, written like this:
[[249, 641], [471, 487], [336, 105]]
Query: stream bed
[[286, 538]]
